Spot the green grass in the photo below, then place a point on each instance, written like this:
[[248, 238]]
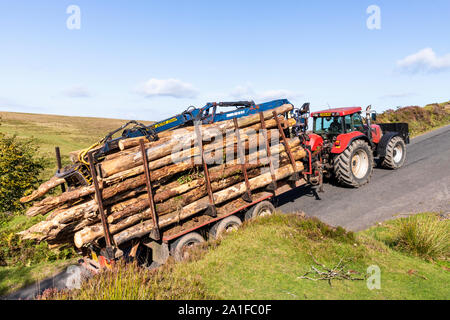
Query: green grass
[[16, 277], [420, 119], [23, 262], [264, 260]]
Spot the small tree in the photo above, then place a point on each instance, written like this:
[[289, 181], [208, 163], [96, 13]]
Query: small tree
[[20, 168]]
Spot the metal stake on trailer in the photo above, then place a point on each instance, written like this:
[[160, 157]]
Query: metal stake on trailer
[[295, 176], [247, 196], [59, 164], [155, 233], [110, 252], [273, 185], [211, 210]]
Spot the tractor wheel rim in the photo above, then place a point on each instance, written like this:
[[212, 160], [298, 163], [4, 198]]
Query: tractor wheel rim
[[360, 164], [398, 153]]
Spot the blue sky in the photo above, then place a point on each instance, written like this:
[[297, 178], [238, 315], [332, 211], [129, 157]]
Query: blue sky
[[148, 60]]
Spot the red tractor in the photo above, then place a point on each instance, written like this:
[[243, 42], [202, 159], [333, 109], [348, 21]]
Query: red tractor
[[344, 146]]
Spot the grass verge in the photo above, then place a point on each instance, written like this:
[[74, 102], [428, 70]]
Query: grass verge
[[266, 258]]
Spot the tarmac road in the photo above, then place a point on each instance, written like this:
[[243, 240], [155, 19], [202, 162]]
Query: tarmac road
[[421, 185]]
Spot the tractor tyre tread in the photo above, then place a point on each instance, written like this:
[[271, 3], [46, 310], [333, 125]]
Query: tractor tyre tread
[[342, 165], [388, 161]]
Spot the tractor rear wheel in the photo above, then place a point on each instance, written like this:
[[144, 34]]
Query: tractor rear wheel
[[354, 166], [395, 154]]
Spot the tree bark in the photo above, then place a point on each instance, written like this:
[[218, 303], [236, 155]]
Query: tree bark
[[91, 233], [179, 137], [146, 226], [43, 189], [220, 180], [127, 145], [136, 181]]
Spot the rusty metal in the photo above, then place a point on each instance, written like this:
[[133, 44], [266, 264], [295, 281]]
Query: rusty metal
[[247, 196], [273, 185], [295, 176], [211, 210], [155, 233], [109, 254], [320, 176], [59, 164]]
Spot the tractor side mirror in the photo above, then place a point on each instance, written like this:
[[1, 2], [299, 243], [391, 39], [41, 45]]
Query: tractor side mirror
[[374, 116]]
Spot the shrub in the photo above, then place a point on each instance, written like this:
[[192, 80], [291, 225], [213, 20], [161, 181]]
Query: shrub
[[419, 119], [426, 236], [20, 167], [17, 252], [128, 281]]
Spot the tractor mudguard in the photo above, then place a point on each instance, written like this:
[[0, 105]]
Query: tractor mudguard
[[315, 141], [344, 140], [387, 136]]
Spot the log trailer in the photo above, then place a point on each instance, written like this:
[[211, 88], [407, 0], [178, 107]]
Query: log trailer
[[341, 145]]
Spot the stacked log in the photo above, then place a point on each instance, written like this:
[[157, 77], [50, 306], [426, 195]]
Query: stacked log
[[178, 181]]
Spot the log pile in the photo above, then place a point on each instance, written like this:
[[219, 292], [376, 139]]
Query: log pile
[[180, 187]]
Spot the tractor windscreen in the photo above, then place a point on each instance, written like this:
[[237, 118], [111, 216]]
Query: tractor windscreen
[[328, 125]]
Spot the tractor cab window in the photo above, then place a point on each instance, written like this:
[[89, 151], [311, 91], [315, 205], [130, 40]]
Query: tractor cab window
[[357, 122], [328, 125], [353, 122], [348, 123]]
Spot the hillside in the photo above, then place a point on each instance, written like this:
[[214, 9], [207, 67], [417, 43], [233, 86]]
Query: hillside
[[69, 133], [420, 119]]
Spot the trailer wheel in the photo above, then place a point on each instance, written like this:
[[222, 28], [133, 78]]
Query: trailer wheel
[[395, 154], [180, 248], [223, 226], [354, 166], [264, 208]]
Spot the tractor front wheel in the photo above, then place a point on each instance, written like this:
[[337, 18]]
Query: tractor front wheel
[[354, 166]]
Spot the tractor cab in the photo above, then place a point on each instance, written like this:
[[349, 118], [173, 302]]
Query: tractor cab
[[334, 122]]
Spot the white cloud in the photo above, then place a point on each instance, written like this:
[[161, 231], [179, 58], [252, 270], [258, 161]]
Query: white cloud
[[77, 92], [246, 92], [169, 88], [398, 95], [425, 61]]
